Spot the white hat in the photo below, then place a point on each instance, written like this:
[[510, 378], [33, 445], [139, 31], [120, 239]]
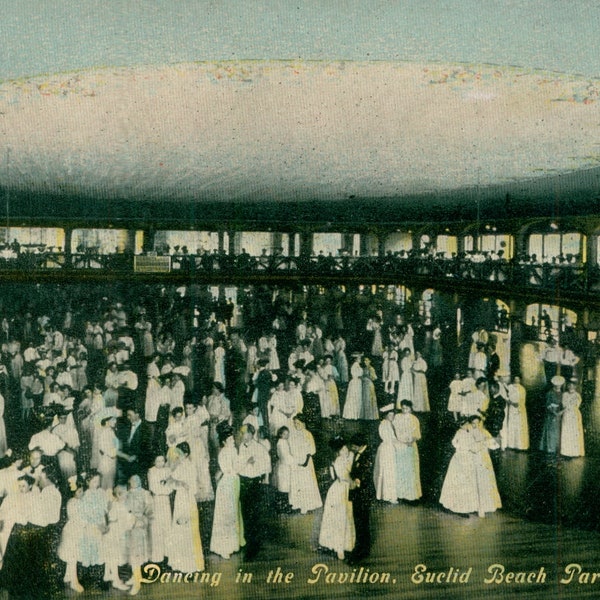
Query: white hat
[[386, 409], [557, 380]]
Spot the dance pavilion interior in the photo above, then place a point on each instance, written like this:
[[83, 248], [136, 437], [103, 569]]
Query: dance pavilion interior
[[456, 198]]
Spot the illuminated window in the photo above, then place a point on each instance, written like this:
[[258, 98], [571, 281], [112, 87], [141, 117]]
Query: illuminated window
[[398, 241], [327, 243], [546, 246]]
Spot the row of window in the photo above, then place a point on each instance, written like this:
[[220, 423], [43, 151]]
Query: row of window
[[566, 247]]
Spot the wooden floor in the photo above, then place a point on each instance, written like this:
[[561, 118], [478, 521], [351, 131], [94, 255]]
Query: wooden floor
[[549, 520], [405, 536]]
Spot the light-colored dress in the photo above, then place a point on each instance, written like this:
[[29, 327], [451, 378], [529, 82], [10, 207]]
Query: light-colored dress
[[455, 398], [384, 470], [340, 360], [283, 467], [517, 427], [141, 506], [279, 413], [420, 393], [93, 511], [337, 527], [571, 429], [160, 526], [487, 489], [391, 371], [370, 411], [459, 490], [196, 435], [405, 388], [304, 490], [185, 546], [408, 474], [115, 541], [70, 539], [108, 445], [353, 404], [228, 526]]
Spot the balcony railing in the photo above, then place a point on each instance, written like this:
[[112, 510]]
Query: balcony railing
[[571, 277]]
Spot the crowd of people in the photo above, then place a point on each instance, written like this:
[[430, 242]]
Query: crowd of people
[[125, 413]]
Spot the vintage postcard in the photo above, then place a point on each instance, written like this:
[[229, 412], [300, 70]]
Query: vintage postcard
[[299, 299]]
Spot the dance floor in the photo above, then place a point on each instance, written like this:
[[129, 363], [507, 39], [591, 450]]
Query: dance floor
[[545, 538], [404, 538]]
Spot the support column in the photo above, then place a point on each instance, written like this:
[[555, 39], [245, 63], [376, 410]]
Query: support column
[[291, 243], [306, 243], [381, 237], [67, 249], [364, 247], [148, 244]]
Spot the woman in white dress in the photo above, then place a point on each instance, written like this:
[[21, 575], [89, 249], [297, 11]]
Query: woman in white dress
[[304, 490], [274, 364], [353, 404], [455, 398], [283, 466], [369, 411], [488, 498], [140, 504], [68, 549], [391, 372], [517, 427], [571, 428], [108, 450], [227, 534], [405, 387], [111, 383], [278, 414], [408, 433], [160, 526], [337, 527], [459, 490], [340, 359], [384, 470], [185, 546], [220, 357], [114, 541], [420, 397], [93, 511], [175, 433], [195, 433], [330, 376]]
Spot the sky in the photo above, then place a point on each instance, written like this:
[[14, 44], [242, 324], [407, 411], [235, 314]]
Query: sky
[[48, 36]]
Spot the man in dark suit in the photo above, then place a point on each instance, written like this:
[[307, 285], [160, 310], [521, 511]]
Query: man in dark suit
[[362, 494], [135, 443]]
